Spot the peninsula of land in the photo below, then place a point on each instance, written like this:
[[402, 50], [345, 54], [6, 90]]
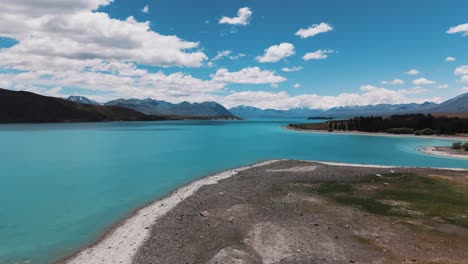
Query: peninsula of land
[[449, 152], [299, 212]]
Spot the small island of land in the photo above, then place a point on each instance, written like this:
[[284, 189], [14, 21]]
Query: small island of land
[[299, 212]]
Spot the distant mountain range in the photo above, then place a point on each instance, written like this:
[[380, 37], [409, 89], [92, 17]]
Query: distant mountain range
[[26, 107], [22, 107], [458, 104], [156, 107]]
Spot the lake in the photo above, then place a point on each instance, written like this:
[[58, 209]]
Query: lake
[[62, 185]]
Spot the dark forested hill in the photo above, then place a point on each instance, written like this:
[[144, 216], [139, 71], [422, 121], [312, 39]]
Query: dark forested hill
[[26, 107]]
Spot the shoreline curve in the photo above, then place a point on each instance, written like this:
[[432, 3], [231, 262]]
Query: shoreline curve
[[121, 242]]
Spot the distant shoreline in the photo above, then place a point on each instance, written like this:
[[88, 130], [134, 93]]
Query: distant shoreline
[[376, 134]]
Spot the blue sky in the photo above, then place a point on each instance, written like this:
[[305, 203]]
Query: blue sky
[[359, 52]]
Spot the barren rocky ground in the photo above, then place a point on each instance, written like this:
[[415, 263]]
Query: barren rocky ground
[[304, 212]]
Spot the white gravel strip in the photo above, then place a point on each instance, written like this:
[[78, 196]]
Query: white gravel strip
[[121, 245], [435, 152], [295, 169], [383, 166]]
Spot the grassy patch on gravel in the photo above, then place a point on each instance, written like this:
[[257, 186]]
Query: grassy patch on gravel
[[432, 197]]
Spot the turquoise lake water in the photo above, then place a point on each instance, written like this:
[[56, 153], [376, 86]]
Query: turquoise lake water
[[61, 185]]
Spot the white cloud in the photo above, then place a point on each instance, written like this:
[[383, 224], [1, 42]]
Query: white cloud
[[70, 33], [222, 54], [463, 79], [314, 30], [277, 52], [370, 95], [450, 59], [243, 17], [462, 70], [115, 80], [235, 57], [423, 81], [462, 28], [464, 89], [297, 85], [317, 55], [413, 72], [145, 9], [442, 86], [37, 8], [292, 69], [251, 75], [394, 82]]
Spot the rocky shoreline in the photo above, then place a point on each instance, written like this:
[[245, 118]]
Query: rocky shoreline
[[270, 213]]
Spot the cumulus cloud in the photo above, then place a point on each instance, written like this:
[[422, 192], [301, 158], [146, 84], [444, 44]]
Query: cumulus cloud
[[442, 86], [70, 32], [297, 85], [450, 59], [464, 89], [413, 72], [115, 79], [145, 9], [370, 95], [462, 70], [463, 79], [317, 55], [462, 29], [277, 52], [250, 75], [394, 82], [292, 69], [242, 18], [423, 81], [222, 54], [314, 30]]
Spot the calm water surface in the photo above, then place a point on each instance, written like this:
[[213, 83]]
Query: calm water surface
[[61, 185]]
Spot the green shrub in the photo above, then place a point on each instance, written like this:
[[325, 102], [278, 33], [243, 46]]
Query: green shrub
[[465, 146], [457, 145], [400, 130], [426, 132]]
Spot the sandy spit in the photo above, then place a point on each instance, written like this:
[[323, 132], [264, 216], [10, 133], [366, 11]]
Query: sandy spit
[[377, 134], [120, 245], [433, 151]]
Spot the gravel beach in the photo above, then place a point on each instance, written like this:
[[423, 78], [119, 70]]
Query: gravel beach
[[293, 212]]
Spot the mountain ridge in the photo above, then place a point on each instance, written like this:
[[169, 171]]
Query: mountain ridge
[[27, 107], [158, 107], [458, 104]]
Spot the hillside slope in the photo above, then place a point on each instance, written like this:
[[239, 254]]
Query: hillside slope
[[26, 107]]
